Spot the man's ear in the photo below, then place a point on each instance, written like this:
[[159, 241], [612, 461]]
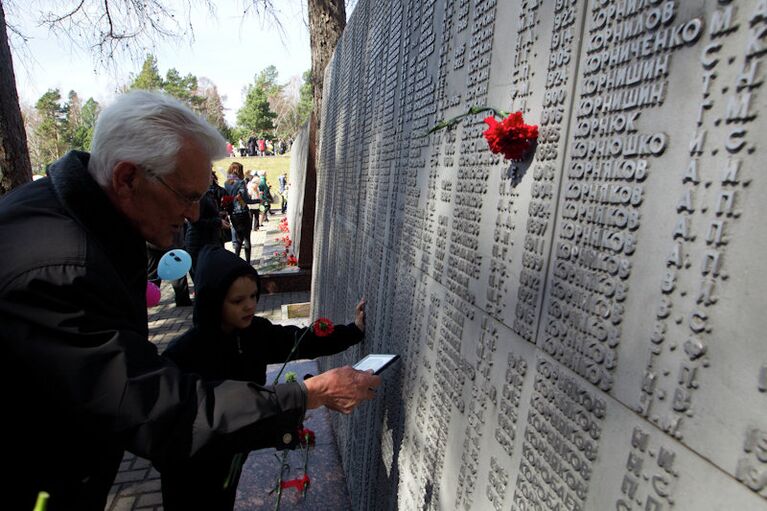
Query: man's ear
[[125, 179]]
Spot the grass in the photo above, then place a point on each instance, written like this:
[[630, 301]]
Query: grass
[[273, 165]]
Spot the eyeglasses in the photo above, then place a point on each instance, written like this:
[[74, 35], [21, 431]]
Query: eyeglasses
[[188, 201]]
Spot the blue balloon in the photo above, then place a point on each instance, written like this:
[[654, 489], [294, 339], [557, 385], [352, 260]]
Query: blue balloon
[[174, 264]]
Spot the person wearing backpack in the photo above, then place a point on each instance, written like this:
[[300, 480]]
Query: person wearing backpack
[[239, 214]]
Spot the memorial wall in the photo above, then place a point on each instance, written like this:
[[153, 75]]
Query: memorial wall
[[582, 331]]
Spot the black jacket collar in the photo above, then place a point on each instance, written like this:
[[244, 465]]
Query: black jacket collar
[[89, 205]]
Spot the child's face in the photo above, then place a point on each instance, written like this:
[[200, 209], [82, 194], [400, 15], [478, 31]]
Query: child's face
[[239, 304]]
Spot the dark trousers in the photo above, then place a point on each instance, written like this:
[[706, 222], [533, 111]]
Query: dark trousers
[[240, 240]]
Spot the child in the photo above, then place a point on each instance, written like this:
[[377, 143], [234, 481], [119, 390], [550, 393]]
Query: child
[[228, 342]]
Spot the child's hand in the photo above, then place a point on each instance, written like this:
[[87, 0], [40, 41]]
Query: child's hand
[[359, 315]]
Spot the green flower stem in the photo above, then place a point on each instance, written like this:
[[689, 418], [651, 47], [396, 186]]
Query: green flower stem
[[234, 469], [293, 350], [279, 481], [472, 111], [306, 461], [42, 501]]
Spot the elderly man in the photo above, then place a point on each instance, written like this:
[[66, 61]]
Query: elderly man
[[81, 382]]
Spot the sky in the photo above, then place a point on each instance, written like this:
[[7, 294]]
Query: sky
[[228, 49]]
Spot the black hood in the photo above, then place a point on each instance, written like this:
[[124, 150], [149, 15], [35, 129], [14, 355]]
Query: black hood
[[216, 269]]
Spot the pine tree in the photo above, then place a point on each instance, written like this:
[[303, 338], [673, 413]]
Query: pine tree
[[256, 116], [149, 78], [305, 98], [52, 129]]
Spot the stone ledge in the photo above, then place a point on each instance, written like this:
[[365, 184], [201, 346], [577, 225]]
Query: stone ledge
[[272, 283]]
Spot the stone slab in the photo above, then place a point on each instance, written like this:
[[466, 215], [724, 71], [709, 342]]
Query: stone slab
[[579, 331]]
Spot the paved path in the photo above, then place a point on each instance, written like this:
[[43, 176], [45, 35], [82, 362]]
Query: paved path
[[137, 486]]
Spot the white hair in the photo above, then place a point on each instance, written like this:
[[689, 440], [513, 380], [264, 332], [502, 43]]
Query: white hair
[[148, 129]]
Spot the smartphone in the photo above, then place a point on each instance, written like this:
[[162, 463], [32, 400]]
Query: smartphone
[[377, 362]]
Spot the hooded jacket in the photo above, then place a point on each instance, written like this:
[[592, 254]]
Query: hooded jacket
[[80, 381], [241, 355], [244, 354]]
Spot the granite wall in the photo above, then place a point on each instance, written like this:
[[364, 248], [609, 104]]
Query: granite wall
[[580, 332], [297, 180]]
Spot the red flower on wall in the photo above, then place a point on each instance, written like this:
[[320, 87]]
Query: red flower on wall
[[511, 137], [322, 327]]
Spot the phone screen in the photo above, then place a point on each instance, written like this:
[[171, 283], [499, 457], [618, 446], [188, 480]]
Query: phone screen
[[376, 362]]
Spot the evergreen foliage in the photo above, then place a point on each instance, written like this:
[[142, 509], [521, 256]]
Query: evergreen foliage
[[256, 116]]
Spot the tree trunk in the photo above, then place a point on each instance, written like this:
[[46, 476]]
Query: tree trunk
[[327, 20], [15, 168]]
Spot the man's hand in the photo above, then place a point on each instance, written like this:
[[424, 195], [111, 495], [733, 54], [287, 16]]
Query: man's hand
[[359, 315], [341, 389]]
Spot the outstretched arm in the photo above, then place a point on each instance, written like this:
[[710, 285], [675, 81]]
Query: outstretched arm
[[280, 339], [341, 389]]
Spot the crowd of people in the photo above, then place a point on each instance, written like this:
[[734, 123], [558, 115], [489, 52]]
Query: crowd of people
[[258, 146], [80, 377], [227, 213]]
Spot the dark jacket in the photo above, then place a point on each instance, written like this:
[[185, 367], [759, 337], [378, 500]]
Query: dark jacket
[[80, 380], [234, 185], [242, 355], [207, 229]]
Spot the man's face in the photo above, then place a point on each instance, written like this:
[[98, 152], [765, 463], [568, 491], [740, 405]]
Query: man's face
[[161, 204]]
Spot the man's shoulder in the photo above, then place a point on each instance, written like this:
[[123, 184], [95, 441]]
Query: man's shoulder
[[36, 231]]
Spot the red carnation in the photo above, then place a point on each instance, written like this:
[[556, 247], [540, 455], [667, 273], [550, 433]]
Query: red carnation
[[300, 483], [322, 327], [226, 202], [292, 261], [306, 436], [511, 136]]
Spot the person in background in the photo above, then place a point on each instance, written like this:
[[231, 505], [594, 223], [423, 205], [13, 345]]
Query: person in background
[[265, 195], [252, 146], [282, 181], [206, 230], [228, 342], [79, 376], [252, 186], [285, 196], [239, 212], [215, 189]]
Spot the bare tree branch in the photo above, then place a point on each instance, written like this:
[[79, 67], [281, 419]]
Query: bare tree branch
[[266, 11], [109, 29], [66, 16]]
